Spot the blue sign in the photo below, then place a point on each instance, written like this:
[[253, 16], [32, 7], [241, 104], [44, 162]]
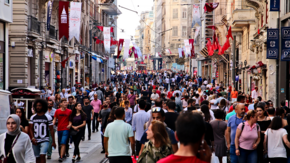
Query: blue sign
[[273, 44], [49, 10], [237, 78], [274, 5], [103, 70], [285, 50]]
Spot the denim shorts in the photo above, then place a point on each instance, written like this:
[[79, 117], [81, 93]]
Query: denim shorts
[[40, 148], [63, 137]]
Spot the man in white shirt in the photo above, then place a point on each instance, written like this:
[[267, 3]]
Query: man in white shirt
[[154, 96], [49, 92], [255, 93], [91, 94], [67, 89], [63, 93]]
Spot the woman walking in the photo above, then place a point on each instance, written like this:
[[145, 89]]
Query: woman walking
[[264, 123], [219, 127], [23, 121], [158, 145], [78, 120], [56, 101], [15, 146], [275, 138], [248, 138]]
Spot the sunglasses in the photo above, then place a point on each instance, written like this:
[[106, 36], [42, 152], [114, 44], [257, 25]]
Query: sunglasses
[[156, 109]]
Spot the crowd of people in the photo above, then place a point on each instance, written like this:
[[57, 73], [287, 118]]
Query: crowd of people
[[162, 116]]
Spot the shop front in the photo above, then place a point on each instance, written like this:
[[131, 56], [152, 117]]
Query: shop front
[[48, 73], [3, 47]]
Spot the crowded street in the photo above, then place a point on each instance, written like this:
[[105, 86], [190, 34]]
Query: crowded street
[[145, 81]]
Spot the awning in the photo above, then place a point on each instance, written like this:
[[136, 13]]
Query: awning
[[110, 8]]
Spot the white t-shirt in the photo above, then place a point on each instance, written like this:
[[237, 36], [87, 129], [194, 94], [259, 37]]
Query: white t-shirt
[[275, 144], [49, 93], [196, 99], [167, 80], [91, 95], [208, 86], [212, 106], [154, 96]]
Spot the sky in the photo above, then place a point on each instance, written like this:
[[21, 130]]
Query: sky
[[129, 20]]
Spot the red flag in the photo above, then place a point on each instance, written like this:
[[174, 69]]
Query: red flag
[[112, 29], [191, 41], [258, 31], [100, 28], [209, 7], [120, 46], [63, 19], [208, 44], [182, 52], [99, 41], [226, 45], [230, 33], [63, 62], [211, 27]]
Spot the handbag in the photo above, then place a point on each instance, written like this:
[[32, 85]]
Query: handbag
[[4, 159], [72, 132]]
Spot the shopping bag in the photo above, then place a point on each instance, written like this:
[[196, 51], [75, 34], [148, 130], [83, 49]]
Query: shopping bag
[[214, 159]]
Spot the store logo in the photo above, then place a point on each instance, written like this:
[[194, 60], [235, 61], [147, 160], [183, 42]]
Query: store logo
[[286, 33], [273, 34], [273, 53], [272, 44]]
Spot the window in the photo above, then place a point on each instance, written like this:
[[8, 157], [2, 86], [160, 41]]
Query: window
[[7, 1], [175, 13], [184, 31], [175, 31], [184, 13]]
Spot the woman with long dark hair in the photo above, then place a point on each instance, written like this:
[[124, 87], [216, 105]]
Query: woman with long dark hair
[[23, 121], [57, 101], [158, 145], [78, 120], [208, 137], [275, 138]]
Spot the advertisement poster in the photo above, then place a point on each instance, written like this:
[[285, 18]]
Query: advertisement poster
[[75, 20]]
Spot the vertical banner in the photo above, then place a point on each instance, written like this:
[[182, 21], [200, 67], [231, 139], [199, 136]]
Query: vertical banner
[[180, 52], [191, 41], [107, 39], [63, 23], [285, 51], [120, 46], [75, 20], [273, 44], [126, 48], [275, 5], [49, 10], [137, 50], [196, 32], [195, 16], [187, 47]]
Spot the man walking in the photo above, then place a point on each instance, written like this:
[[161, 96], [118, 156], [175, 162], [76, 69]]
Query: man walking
[[39, 126], [88, 109], [96, 104], [139, 119], [104, 113], [116, 138], [50, 112], [63, 127]]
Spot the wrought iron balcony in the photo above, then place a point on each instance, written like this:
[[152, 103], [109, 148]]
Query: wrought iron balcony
[[33, 24], [52, 32]]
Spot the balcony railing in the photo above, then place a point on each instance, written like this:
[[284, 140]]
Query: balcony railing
[[33, 24], [52, 32]]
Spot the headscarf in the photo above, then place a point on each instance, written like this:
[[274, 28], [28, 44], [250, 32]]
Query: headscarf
[[17, 121]]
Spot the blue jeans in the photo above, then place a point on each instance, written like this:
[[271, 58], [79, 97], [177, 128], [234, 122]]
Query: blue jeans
[[248, 156], [40, 148], [234, 157]]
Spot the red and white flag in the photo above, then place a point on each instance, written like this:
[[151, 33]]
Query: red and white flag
[[209, 7], [120, 46], [168, 51]]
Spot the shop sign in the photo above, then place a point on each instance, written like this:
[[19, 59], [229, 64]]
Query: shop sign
[[237, 78], [71, 64], [285, 51], [273, 44], [274, 5]]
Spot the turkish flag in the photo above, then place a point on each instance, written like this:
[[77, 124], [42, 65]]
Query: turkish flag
[[63, 62], [226, 45], [208, 44], [211, 27], [230, 33], [100, 28], [99, 41], [209, 7], [120, 46]]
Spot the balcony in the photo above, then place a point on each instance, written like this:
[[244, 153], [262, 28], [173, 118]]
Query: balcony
[[51, 35], [110, 9], [64, 42], [33, 27], [243, 17]]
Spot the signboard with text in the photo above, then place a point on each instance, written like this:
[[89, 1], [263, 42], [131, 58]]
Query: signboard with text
[[273, 44], [285, 50], [274, 5]]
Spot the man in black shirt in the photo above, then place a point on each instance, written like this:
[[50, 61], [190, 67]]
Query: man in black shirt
[[70, 104], [171, 115], [88, 109]]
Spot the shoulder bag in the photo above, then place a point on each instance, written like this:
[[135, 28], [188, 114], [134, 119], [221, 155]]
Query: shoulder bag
[[3, 158]]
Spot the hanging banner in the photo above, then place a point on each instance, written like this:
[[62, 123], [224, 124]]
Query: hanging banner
[[137, 50], [285, 51], [187, 47], [273, 44], [180, 52], [274, 5], [75, 20], [195, 16], [196, 32], [120, 46], [126, 48], [191, 41], [63, 23], [107, 39], [49, 10]]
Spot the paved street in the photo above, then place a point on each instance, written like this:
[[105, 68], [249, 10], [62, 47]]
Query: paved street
[[90, 150]]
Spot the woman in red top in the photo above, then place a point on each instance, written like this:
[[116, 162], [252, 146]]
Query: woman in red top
[[170, 93]]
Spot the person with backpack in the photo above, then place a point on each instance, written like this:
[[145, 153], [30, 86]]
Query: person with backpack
[[248, 138]]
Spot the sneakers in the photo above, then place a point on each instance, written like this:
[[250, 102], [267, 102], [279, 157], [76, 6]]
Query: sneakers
[[79, 158], [73, 160], [70, 147], [60, 159], [48, 157]]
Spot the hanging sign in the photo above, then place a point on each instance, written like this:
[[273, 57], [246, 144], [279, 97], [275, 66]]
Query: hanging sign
[[285, 51], [273, 44], [49, 10], [75, 20], [107, 39], [274, 5], [63, 23]]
